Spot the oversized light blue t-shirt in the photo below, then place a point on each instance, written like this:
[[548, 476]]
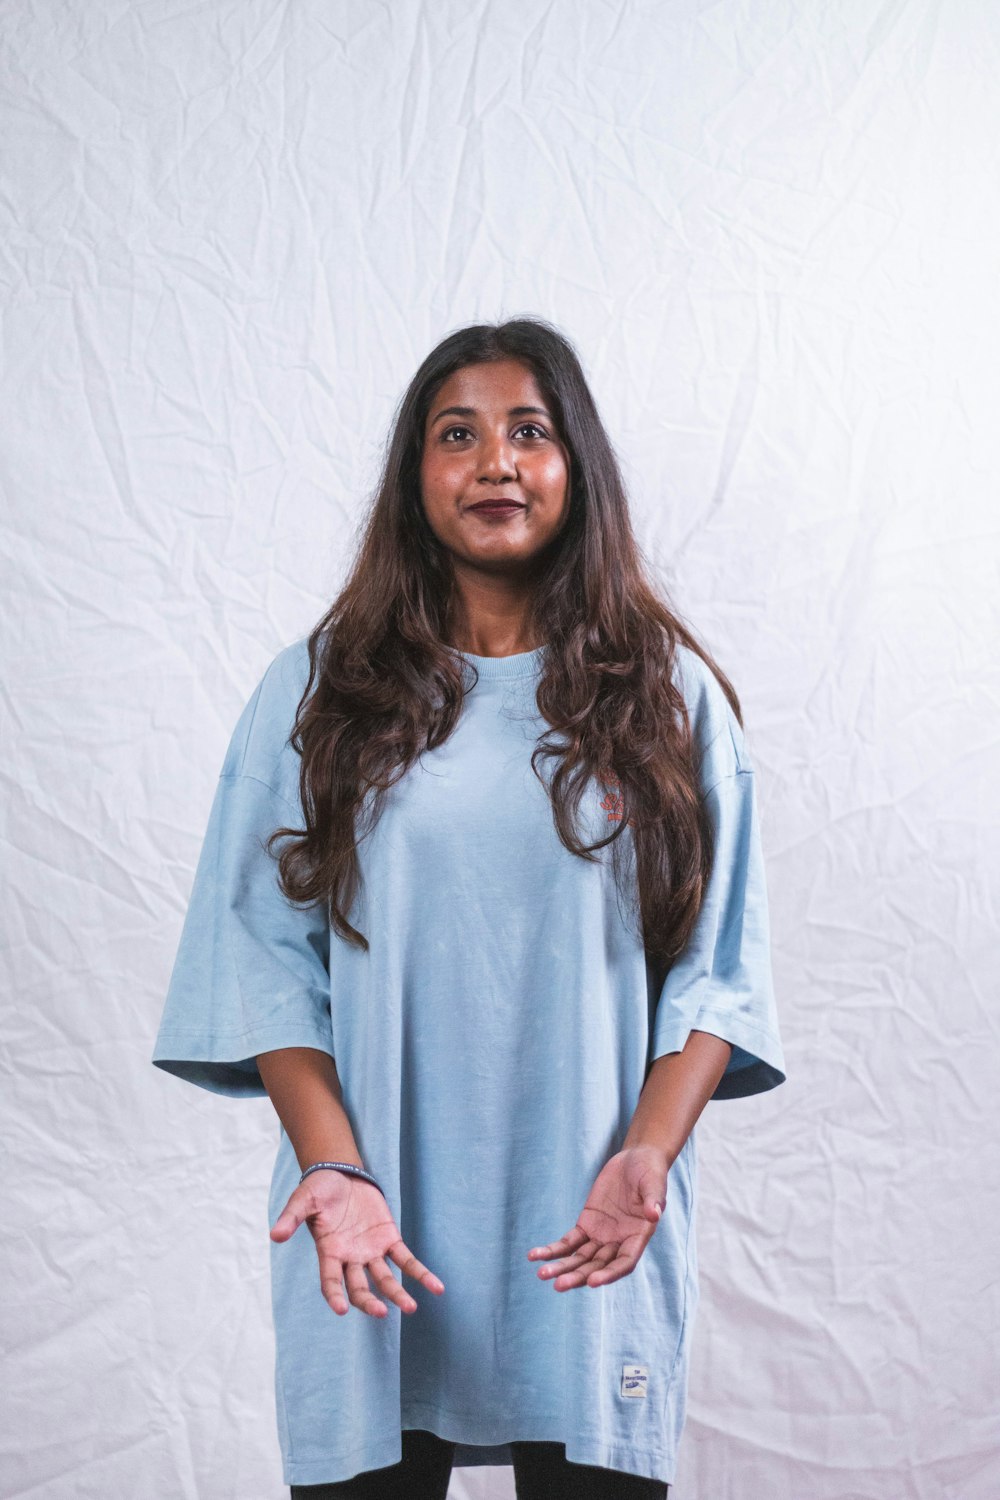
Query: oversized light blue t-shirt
[[491, 1047]]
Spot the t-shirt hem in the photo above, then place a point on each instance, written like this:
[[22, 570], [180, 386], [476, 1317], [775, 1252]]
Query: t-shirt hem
[[225, 1062], [766, 1068], [333, 1469], [467, 1431]]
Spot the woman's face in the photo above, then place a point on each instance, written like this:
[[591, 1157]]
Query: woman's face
[[494, 476]]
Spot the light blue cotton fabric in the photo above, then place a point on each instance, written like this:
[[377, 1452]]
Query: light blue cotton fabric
[[491, 1047]]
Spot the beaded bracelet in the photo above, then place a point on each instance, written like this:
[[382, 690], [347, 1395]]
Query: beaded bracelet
[[342, 1166]]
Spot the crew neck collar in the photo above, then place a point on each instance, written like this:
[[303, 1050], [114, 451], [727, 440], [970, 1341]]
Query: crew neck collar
[[520, 664]]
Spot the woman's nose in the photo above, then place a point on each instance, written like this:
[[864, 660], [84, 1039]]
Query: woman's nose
[[498, 459]]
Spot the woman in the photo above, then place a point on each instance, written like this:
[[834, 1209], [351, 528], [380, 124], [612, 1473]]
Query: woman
[[515, 938]]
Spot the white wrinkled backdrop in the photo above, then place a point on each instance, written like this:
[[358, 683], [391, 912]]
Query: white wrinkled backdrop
[[229, 235]]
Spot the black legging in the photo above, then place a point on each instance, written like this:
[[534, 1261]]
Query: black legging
[[541, 1472]]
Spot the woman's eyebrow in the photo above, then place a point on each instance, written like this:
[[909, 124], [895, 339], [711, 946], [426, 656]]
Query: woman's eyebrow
[[470, 411]]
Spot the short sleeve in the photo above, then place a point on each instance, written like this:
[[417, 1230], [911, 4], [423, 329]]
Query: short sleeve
[[251, 972], [722, 981]]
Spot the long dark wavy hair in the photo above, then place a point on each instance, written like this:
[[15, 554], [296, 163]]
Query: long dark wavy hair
[[385, 683]]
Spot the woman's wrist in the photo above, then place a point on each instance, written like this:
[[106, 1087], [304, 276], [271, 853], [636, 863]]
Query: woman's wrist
[[348, 1169]]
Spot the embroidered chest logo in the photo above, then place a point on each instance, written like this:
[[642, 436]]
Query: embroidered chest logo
[[613, 802], [634, 1380]]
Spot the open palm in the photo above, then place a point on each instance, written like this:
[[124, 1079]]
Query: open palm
[[355, 1232], [615, 1225]]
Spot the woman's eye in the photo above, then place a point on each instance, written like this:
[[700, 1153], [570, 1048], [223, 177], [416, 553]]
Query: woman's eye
[[532, 428]]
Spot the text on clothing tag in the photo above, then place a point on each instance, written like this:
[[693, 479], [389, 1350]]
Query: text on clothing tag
[[634, 1379]]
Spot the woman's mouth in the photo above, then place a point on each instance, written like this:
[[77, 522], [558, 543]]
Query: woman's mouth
[[496, 507]]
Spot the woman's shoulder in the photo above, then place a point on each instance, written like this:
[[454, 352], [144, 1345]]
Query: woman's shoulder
[[260, 746], [719, 737]]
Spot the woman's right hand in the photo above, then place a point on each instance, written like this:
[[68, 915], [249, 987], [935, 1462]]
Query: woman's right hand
[[351, 1223]]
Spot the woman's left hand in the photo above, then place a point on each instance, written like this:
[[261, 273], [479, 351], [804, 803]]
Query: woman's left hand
[[615, 1225]]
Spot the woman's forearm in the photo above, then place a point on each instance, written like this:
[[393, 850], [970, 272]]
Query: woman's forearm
[[304, 1088], [677, 1088]]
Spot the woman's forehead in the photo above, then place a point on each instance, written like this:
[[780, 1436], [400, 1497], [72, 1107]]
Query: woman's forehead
[[491, 376]]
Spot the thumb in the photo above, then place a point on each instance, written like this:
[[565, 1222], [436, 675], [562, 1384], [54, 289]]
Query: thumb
[[287, 1222], [653, 1199]]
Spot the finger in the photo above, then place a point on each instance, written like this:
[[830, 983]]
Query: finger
[[569, 1262], [408, 1262], [387, 1284], [580, 1276], [571, 1279], [569, 1242], [360, 1293], [332, 1284], [614, 1271]]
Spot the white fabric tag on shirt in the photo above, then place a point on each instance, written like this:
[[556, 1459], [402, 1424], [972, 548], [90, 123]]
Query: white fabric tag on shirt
[[634, 1379]]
